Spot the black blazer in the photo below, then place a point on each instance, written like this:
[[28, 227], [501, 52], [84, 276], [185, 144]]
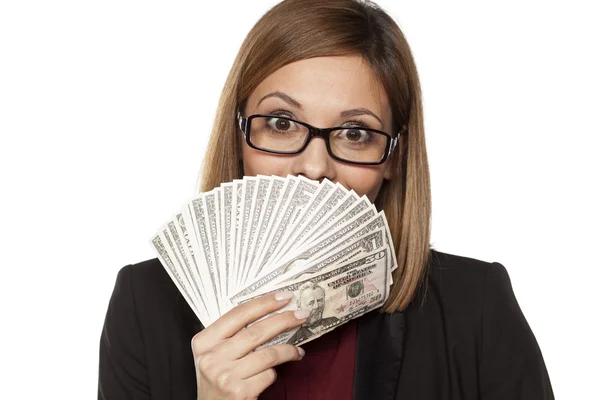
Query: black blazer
[[463, 337]]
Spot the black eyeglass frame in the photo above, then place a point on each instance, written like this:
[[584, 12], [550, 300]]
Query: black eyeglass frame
[[245, 123]]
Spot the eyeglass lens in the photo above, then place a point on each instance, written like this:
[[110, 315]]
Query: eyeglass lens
[[280, 134]]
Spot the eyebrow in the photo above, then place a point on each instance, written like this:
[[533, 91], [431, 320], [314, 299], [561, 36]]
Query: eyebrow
[[344, 114]]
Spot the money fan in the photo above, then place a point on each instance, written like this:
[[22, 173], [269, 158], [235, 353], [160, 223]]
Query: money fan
[[331, 248]]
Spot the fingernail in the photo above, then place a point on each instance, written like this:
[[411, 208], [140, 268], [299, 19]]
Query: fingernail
[[280, 296], [301, 314], [301, 352]]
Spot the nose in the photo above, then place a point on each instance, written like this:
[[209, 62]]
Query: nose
[[314, 162]]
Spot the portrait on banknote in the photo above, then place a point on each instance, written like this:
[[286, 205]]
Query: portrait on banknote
[[312, 297]]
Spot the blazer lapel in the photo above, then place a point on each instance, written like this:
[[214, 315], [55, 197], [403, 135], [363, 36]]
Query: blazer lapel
[[378, 355]]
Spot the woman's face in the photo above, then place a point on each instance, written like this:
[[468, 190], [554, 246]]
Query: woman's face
[[316, 91]]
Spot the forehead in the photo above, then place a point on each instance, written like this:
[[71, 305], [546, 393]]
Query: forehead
[[313, 292], [326, 84]]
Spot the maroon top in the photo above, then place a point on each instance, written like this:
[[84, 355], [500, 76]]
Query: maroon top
[[325, 372]]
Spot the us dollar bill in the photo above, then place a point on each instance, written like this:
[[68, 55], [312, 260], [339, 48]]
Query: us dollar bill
[[198, 212], [274, 195], [332, 201], [376, 223], [186, 230], [270, 275], [226, 199], [249, 185], [340, 216], [255, 234], [210, 204], [235, 222], [290, 184], [351, 249], [298, 198], [314, 202], [256, 211], [332, 240], [174, 273], [354, 248], [335, 296], [178, 247]]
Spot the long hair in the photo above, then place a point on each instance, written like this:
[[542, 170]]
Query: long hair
[[294, 30]]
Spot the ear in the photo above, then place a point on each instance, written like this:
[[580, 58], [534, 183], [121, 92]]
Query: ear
[[388, 173], [389, 169]]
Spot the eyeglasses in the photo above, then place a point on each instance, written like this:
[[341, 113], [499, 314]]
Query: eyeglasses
[[282, 135]]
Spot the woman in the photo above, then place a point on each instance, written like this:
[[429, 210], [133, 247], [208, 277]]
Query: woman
[[451, 328]]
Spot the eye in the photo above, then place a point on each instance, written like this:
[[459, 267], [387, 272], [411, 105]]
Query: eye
[[354, 135], [280, 124]]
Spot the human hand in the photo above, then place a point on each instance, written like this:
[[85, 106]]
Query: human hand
[[226, 367]]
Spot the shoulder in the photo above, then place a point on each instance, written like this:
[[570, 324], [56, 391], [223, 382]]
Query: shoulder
[[472, 303], [474, 290], [144, 280], [145, 341], [458, 292], [466, 314], [146, 275], [445, 265], [459, 278], [154, 295]]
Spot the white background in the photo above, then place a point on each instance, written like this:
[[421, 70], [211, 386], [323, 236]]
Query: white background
[[105, 109]]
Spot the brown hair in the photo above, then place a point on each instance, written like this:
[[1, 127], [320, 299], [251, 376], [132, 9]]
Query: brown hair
[[294, 30]]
